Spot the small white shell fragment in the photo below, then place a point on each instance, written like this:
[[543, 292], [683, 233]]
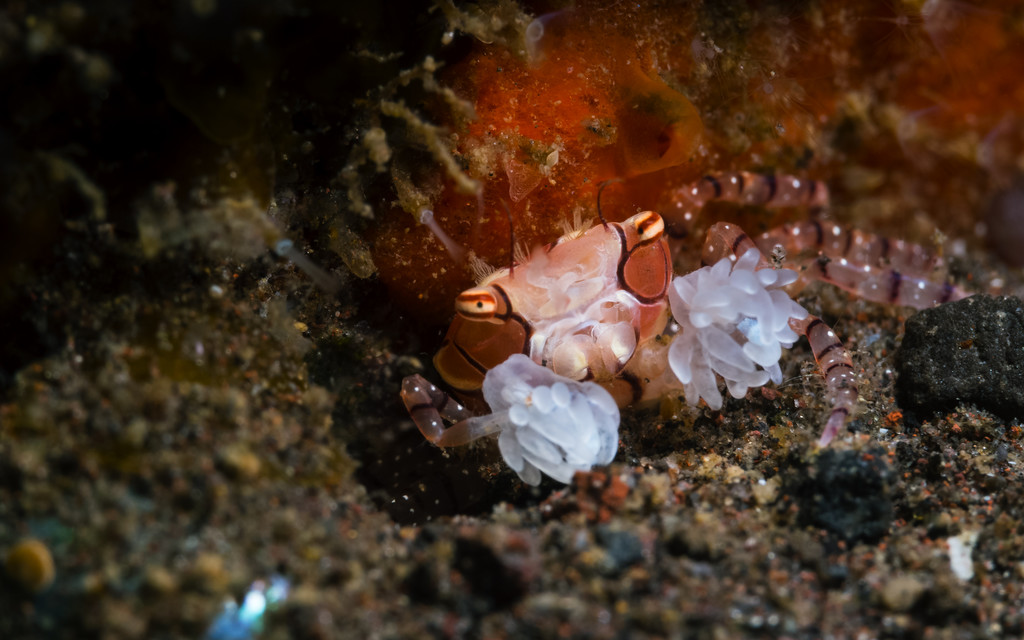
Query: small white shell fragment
[[960, 549]]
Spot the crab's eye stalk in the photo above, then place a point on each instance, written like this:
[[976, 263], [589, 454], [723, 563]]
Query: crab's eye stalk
[[649, 226], [476, 304]]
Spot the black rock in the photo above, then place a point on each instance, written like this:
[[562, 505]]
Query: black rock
[[848, 494], [965, 352]]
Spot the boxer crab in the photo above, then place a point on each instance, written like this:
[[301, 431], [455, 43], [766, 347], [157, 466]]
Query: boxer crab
[[595, 321]]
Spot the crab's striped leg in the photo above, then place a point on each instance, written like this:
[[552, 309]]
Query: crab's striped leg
[[430, 408], [884, 285], [877, 284], [837, 241], [742, 187], [867, 265], [836, 366]]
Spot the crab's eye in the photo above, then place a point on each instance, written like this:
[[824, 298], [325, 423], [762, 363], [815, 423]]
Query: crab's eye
[[649, 226], [476, 303]]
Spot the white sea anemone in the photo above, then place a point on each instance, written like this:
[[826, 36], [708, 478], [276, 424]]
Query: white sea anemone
[[734, 321], [549, 423]]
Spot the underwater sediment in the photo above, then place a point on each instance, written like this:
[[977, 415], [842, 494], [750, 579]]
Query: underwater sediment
[[200, 429]]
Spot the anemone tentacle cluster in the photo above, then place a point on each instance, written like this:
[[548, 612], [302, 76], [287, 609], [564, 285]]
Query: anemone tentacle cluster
[[549, 423], [734, 321]]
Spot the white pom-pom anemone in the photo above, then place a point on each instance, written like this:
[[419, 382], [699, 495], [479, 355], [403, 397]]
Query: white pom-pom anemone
[[549, 423], [734, 321]]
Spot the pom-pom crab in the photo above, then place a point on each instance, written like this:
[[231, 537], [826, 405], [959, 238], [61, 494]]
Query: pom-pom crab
[[594, 321]]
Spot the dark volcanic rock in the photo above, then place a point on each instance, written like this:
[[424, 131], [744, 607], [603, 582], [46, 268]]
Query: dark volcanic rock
[[493, 583], [848, 494], [965, 352]]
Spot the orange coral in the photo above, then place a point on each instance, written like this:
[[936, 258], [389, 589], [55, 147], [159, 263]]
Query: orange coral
[[660, 93]]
